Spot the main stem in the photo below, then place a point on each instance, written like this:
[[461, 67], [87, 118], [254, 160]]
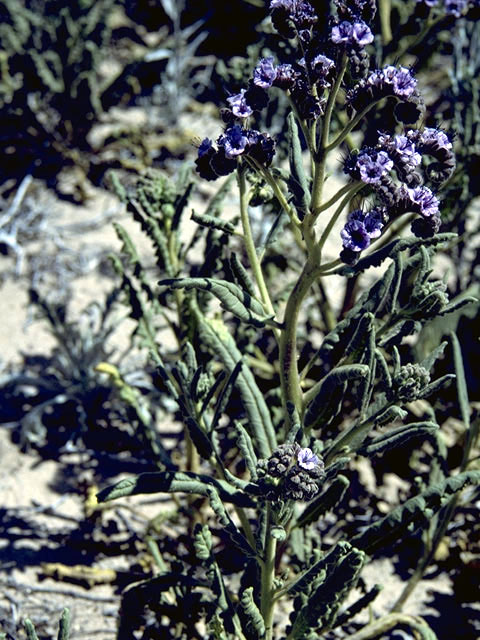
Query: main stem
[[291, 390], [267, 601]]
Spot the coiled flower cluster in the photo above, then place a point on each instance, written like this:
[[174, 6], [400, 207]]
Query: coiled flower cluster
[[396, 170], [391, 81], [290, 473], [221, 160], [410, 381]]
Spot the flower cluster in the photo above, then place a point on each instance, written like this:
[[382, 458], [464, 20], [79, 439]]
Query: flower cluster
[[352, 33], [290, 473], [403, 154], [390, 81], [410, 381], [213, 162]]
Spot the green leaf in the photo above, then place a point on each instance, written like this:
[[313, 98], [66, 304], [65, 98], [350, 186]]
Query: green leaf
[[202, 541], [224, 395], [358, 605], [436, 385], [325, 502], [212, 222], [237, 538], [321, 567], [64, 625], [173, 482], [255, 618], [412, 514], [241, 275], [324, 603], [391, 249], [231, 297], [199, 437], [398, 437], [298, 182], [320, 396], [245, 445], [217, 337], [428, 362], [461, 382], [30, 629]]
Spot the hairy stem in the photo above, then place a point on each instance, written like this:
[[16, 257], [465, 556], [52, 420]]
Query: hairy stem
[[250, 246], [267, 602], [291, 390], [320, 162]]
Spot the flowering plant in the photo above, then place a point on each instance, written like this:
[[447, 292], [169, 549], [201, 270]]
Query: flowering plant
[[271, 429]]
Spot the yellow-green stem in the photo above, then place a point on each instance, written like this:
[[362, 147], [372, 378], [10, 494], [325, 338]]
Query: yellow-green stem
[[384, 9], [250, 246], [291, 390], [267, 602], [323, 238], [322, 152]]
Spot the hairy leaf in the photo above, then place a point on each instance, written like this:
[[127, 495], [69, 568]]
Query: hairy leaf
[[413, 513], [298, 182], [397, 438], [231, 297], [172, 482], [325, 502], [255, 618]]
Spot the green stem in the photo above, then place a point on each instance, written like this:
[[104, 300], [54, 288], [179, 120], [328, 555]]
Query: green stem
[[386, 623], [328, 316], [351, 125], [250, 245], [270, 180], [384, 9], [326, 205], [350, 194], [320, 162], [268, 573], [291, 390]]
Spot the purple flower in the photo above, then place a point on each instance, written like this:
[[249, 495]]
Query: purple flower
[[285, 77], [321, 67], [361, 228], [355, 236], [373, 165], [261, 147], [435, 138], [357, 33], [239, 106], [406, 149], [362, 34], [233, 141], [292, 17], [289, 5], [404, 83], [205, 147], [265, 73], [307, 459], [374, 223], [427, 203], [388, 73], [342, 33]]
